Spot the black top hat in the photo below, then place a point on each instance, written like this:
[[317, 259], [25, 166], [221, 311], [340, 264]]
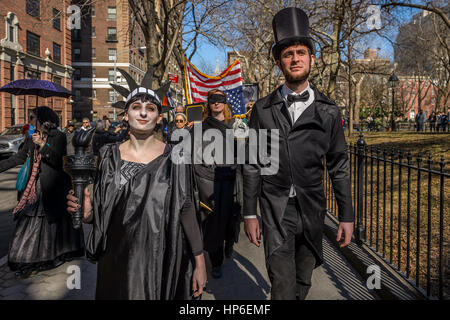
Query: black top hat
[[290, 25]]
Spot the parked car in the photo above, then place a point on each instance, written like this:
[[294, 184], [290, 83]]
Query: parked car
[[10, 140]]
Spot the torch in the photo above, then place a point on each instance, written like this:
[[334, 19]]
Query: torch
[[81, 167]]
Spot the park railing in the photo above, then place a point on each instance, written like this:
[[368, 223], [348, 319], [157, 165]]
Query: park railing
[[401, 206]]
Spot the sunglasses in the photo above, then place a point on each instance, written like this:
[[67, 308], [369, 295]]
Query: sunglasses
[[179, 121]]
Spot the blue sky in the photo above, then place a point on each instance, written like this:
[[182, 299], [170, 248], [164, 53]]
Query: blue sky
[[207, 54]]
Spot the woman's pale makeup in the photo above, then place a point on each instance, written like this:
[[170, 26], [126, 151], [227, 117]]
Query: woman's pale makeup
[[142, 116]]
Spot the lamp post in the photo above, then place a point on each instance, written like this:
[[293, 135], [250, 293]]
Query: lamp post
[[115, 72], [393, 81]]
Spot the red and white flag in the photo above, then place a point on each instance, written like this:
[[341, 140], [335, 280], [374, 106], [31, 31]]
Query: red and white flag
[[230, 81]]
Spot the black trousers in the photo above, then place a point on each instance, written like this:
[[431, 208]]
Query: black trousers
[[291, 266], [217, 256]]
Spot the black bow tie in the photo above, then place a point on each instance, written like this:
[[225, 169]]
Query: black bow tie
[[291, 98]]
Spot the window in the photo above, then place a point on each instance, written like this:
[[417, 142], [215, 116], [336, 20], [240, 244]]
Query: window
[[11, 34], [93, 53], [31, 74], [57, 80], [76, 54], [34, 8], [112, 54], [76, 35], [77, 94], [112, 13], [111, 75], [94, 93], [93, 32], [112, 34], [56, 52], [77, 74], [33, 44], [94, 73], [92, 11], [12, 27], [111, 95], [56, 19]]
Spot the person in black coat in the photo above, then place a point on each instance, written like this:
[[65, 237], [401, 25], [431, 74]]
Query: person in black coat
[[292, 199], [104, 136], [217, 186], [43, 237]]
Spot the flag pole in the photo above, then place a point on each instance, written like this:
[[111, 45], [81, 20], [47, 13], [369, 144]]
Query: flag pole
[[186, 81]]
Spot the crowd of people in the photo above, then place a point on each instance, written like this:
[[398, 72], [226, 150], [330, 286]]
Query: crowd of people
[[438, 122], [152, 219]]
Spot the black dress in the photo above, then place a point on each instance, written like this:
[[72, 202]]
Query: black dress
[[44, 237], [37, 243], [142, 217], [218, 190]]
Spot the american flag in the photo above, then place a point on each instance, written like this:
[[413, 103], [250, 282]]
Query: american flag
[[230, 81]]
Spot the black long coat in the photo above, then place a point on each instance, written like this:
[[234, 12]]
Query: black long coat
[[316, 134], [55, 182], [218, 189]]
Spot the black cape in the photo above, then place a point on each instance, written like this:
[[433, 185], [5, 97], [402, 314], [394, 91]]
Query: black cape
[[137, 237]]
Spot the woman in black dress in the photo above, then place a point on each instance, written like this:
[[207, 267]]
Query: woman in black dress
[[43, 237], [217, 188], [145, 234]]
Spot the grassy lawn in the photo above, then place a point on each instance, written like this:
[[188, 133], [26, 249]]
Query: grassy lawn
[[406, 215], [436, 144]]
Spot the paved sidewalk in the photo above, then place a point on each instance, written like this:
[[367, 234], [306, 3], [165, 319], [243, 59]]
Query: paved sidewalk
[[244, 277]]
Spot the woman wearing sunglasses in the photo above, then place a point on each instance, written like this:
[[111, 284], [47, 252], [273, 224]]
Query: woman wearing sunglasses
[[145, 234], [217, 189], [180, 120], [43, 237]]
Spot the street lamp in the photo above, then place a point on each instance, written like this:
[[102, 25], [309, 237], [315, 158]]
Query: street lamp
[[393, 80], [115, 72]]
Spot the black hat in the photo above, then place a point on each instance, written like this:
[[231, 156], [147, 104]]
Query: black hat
[[290, 25]]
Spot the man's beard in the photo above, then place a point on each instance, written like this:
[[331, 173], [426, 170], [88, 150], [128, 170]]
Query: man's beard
[[298, 79]]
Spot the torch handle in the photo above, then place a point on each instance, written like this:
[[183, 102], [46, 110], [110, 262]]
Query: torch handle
[[77, 217]]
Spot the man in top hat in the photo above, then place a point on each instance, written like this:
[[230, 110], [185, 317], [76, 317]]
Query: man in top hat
[[292, 201]]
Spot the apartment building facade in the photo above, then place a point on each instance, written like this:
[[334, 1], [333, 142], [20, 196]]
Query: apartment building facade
[[34, 44], [109, 39]]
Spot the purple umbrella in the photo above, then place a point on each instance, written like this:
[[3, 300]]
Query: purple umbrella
[[41, 88]]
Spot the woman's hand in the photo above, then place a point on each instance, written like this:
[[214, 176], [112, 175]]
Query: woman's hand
[[72, 205], [199, 277], [38, 139]]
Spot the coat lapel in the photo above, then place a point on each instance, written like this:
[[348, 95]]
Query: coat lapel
[[311, 115], [280, 113]]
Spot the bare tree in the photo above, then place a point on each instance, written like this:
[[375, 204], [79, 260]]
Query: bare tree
[[163, 25], [431, 6]]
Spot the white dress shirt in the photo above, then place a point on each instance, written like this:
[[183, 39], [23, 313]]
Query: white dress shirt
[[295, 110]]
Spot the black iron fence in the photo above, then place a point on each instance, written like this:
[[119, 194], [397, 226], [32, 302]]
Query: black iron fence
[[401, 206]]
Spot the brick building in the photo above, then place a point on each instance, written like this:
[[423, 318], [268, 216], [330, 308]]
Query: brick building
[[34, 44], [109, 39], [105, 35]]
